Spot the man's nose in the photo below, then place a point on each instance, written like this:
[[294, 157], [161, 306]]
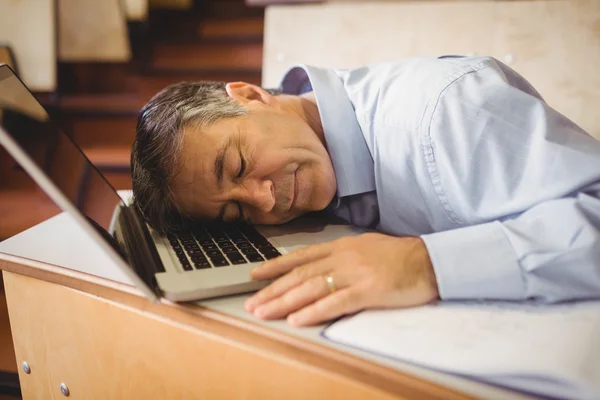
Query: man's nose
[[260, 194]]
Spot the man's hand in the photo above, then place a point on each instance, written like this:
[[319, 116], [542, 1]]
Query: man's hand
[[367, 271]]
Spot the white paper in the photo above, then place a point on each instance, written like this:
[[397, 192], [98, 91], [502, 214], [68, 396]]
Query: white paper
[[552, 350]]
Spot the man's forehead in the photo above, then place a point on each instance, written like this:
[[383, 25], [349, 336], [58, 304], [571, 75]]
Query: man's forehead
[[195, 186]]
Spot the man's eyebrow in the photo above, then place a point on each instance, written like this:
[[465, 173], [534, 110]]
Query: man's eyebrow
[[220, 161]]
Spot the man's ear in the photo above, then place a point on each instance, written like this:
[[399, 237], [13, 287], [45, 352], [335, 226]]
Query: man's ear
[[243, 92]]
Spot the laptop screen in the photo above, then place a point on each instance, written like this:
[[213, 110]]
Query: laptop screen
[[29, 125]]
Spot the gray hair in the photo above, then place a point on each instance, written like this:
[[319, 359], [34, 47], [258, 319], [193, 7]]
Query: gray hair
[[158, 143]]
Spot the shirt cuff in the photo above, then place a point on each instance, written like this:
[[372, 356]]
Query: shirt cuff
[[475, 262]]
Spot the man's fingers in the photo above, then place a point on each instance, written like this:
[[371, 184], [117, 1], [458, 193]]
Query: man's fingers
[[302, 295], [283, 264], [294, 278], [345, 301]]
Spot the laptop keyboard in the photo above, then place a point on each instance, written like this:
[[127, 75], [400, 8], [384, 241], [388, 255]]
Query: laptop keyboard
[[210, 246]]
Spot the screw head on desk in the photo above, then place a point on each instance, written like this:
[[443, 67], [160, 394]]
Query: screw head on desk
[[26, 368], [64, 389]]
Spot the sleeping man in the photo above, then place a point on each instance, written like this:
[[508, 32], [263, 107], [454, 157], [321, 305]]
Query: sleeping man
[[478, 189]]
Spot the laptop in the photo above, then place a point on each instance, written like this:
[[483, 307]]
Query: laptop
[[205, 261]]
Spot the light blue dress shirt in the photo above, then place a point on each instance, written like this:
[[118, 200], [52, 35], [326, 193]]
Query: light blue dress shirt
[[463, 152]]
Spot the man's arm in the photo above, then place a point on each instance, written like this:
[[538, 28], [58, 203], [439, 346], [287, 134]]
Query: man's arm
[[525, 183]]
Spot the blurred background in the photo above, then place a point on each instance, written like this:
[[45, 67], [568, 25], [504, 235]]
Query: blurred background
[[93, 64]]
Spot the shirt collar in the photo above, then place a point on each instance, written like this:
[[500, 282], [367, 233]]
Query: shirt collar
[[350, 156]]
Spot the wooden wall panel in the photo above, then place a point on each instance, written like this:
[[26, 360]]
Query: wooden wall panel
[[555, 43]]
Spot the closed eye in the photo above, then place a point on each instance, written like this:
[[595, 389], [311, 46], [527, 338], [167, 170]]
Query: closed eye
[[242, 167]]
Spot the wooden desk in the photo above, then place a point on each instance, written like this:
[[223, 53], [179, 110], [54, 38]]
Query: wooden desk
[[103, 340]]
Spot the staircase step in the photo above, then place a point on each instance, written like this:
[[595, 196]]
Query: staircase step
[[189, 57], [110, 158], [99, 104], [95, 77], [231, 9], [112, 131], [249, 28], [173, 24], [119, 180]]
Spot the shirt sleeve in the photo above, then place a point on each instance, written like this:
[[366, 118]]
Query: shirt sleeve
[[522, 184]]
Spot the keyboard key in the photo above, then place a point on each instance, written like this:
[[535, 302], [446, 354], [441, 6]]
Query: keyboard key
[[248, 250], [215, 252], [189, 247], [263, 244], [269, 249], [254, 257], [271, 254], [243, 245], [210, 247], [198, 256], [230, 250], [187, 266], [201, 264], [219, 261], [236, 258]]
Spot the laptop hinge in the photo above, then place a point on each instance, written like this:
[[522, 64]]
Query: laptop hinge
[[143, 255]]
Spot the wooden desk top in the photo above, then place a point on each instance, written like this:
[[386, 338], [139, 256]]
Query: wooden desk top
[[226, 318]]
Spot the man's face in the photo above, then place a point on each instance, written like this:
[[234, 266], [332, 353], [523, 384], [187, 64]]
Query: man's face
[[266, 167]]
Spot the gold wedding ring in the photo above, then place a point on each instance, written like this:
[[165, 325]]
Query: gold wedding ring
[[330, 283]]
